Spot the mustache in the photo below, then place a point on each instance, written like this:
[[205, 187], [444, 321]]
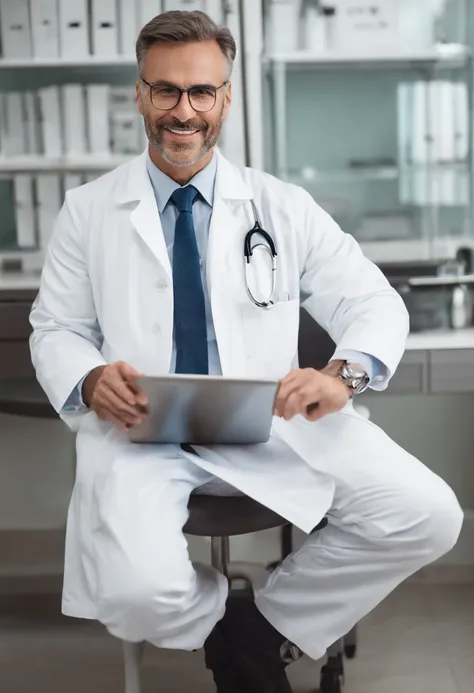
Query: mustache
[[189, 125]]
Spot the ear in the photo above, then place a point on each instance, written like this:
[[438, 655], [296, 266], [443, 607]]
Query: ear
[[139, 96], [228, 97]]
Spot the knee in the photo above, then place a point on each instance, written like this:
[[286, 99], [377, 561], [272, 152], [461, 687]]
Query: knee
[[133, 605], [441, 521], [430, 521]]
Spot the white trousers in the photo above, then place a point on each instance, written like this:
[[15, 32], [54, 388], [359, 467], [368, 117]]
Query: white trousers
[[387, 521]]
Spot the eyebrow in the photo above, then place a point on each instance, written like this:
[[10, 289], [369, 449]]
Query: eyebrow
[[163, 83]]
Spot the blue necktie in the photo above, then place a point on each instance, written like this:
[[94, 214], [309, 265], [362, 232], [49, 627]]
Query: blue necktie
[[190, 328]]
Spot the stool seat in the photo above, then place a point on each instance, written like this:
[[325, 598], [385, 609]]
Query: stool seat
[[228, 516]]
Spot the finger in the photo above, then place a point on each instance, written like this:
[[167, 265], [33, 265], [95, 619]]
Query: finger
[[299, 401], [114, 382], [317, 412], [286, 388], [129, 376], [293, 405], [307, 393], [106, 415], [117, 405]]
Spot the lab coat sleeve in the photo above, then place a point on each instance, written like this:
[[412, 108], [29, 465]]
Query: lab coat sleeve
[[349, 296], [66, 339]]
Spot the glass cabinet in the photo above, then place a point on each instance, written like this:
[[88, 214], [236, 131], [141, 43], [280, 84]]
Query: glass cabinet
[[380, 133]]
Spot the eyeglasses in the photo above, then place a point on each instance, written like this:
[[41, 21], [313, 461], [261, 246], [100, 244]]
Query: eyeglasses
[[165, 97]]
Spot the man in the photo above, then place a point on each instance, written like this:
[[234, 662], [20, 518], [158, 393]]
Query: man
[[145, 273]]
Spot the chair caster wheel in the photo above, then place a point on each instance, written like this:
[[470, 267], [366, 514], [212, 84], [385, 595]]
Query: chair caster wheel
[[350, 651], [332, 675]]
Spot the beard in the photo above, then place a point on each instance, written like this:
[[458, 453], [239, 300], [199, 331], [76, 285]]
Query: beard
[[183, 154]]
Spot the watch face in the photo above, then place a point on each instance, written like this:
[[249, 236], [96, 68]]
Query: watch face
[[357, 370]]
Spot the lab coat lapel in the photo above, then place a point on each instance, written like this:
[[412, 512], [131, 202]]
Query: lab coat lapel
[[229, 224], [145, 217]]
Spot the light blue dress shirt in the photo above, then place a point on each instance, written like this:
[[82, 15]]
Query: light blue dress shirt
[[164, 187], [204, 181]]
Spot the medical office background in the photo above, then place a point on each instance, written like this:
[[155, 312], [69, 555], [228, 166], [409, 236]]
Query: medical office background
[[365, 103]]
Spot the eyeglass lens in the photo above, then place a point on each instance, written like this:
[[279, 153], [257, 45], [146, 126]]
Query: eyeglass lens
[[166, 98]]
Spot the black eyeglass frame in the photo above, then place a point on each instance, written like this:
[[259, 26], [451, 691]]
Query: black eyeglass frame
[[180, 93]]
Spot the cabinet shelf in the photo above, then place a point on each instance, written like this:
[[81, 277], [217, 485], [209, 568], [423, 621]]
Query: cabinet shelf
[[86, 61], [443, 56], [362, 174], [31, 163]]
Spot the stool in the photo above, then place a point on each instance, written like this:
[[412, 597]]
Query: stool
[[220, 518]]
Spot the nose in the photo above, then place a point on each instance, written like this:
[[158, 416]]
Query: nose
[[183, 110]]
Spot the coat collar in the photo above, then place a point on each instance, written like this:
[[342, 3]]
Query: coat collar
[[230, 182]]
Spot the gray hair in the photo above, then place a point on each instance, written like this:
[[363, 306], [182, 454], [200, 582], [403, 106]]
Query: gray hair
[[181, 26]]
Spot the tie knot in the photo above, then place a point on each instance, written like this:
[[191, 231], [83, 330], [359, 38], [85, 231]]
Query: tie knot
[[183, 198]]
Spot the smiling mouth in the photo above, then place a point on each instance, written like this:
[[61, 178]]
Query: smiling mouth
[[182, 133]]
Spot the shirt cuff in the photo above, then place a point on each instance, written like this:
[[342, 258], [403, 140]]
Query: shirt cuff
[[75, 402], [375, 369]]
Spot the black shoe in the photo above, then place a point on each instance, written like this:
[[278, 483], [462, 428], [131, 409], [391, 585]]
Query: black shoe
[[245, 653]]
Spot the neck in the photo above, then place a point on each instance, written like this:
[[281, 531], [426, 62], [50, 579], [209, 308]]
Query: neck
[[180, 174]]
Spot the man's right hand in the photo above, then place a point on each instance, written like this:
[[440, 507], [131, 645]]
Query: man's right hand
[[111, 391]]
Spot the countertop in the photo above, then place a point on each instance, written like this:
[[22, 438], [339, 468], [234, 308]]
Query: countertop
[[436, 339]]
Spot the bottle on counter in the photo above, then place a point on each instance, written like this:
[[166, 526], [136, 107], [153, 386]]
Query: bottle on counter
[[329, 20]]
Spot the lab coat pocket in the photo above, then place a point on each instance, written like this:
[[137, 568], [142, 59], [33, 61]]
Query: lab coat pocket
[[271, 336]]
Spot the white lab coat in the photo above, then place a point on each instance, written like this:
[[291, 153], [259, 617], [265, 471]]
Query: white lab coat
[[106, 295]]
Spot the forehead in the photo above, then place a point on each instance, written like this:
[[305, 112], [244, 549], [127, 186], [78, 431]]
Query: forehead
[[185, 64]]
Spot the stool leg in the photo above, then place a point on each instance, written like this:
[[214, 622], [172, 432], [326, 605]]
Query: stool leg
[[220, 550], [286, 541], [132, 653]]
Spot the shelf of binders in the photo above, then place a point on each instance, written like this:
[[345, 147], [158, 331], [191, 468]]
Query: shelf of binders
[[29, 163], [442, 56], [119, 61]]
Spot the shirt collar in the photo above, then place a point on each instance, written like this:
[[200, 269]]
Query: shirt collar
[[164, 186]]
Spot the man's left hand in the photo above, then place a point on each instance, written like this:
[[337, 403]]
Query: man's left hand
[[311, 393]]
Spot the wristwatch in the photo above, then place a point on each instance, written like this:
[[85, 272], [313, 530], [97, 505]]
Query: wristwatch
[[354, 376]]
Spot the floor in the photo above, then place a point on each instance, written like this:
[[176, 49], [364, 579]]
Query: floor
[[420, 640]]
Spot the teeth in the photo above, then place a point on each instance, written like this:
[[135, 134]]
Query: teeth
[[182, 132]]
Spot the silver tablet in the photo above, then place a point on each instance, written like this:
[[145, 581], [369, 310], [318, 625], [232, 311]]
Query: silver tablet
[[205, 410]]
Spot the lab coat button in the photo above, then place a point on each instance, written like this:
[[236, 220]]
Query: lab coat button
[[161, 285]]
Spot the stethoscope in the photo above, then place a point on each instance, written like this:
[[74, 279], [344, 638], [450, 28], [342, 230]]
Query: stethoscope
[[270, 248]]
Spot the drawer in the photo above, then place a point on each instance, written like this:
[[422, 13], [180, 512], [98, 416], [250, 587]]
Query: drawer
[[452, 370], [14, 320], [411, 376], [15, 360]]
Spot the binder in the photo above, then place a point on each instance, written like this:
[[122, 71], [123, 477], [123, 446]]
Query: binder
[[32, 116], [45, 28], [183, 5], [73, 28], [126, 133], [105, 27], [147, 10], [15, 124], [15, 28], [71, 181], [74, 123], [51, 121], [24, 211], [127, 26], [404, 97], [214, 9], [98, 124], [48, 195]]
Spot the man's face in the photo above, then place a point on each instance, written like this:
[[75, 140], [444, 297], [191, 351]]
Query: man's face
[[183, 136]]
